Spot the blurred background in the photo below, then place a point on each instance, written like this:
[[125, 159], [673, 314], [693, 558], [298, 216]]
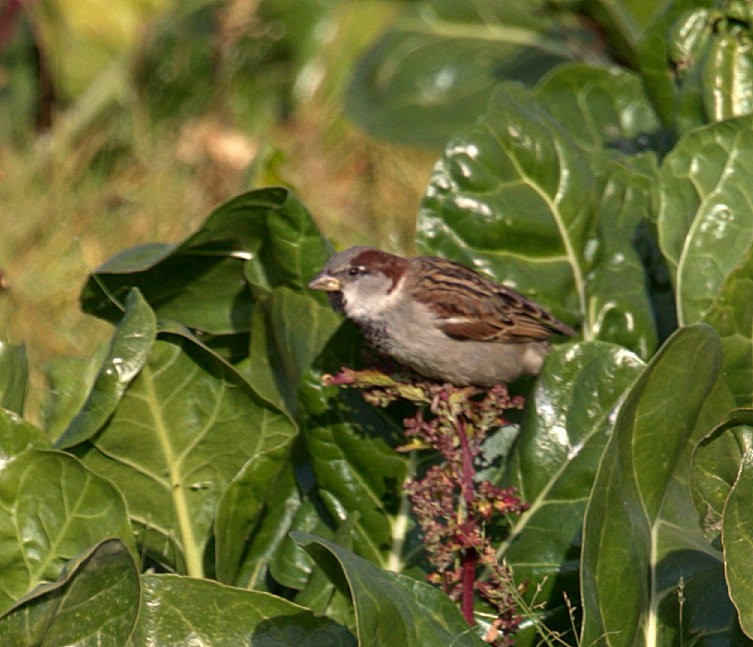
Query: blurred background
[[126, 121]]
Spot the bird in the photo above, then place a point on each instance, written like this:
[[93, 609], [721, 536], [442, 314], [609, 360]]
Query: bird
[[442, 319]]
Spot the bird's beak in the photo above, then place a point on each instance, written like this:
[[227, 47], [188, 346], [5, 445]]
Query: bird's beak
[[325, 282]]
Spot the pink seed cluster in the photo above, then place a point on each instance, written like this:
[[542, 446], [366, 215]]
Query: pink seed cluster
[[460, 515]]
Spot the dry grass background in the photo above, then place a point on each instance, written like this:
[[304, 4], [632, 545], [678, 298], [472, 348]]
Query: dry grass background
[[59, 219]]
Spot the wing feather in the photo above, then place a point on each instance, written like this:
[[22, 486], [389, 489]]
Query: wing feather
[[472, 307]]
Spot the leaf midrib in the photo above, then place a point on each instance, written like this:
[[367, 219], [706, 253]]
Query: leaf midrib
[[191, 550]]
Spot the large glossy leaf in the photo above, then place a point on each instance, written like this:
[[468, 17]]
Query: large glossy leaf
[[431, 72], [104, 582], [321, 594], [643, 548], [182, 430], [200, 282], [555, 458], [129, 347], [53, 508], [513, 196], [14, 377], [185, 611], [391, 609], [731, 317], [703, 206], [292, 566], [258, 499]]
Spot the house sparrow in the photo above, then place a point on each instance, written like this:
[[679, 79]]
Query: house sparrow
[[439, 318]]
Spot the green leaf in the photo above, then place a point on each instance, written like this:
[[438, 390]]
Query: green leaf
[[554, 461], [704, 214], [432, 71], [70, 380], [253, 517], [513, 196], [610, 117], [391, 609], [53, 508], [289, 331], [14, 377], [291, 566], [731, 317], [182, 430], [696, 62], [130, 345], [619, 305], [625, 22], [356, 468], [201, 282], [269, 549], [606, 110], [320, 593], [643, 549], [716, 463], [726, 76], [182, 611], [104, 583], [17, 435], [737, 539]]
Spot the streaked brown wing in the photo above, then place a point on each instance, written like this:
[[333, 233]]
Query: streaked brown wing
[[472, 307]]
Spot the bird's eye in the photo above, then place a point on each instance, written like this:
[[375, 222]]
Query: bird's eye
[[356, 270]]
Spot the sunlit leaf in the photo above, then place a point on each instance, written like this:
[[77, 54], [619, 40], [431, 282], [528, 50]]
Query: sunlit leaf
[[357, 470], [182, 430], [17, 435], [289, 332], [254, 515], [130, 345]]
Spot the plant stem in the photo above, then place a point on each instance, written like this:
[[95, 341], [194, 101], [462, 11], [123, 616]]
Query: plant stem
[[468, 471], [469, 561], [469, 558]]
